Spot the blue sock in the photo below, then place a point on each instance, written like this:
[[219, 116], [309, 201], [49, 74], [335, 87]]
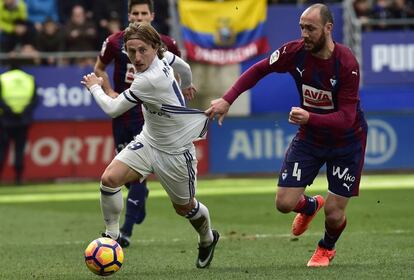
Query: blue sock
[[135, 206]]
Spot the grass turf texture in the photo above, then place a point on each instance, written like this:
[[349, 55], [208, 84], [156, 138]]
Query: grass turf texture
[[45, 229]]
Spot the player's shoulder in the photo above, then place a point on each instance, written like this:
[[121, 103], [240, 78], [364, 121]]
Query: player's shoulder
[[116, 37], [166, 38], [171, 44], [286, 51], [292, 46], [345, 56]]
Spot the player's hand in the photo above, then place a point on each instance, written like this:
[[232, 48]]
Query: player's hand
[[189, 92], [218, 108], [91, 79], [298, 116]]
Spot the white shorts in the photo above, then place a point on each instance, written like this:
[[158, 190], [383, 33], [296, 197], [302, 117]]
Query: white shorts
[[177, 173]]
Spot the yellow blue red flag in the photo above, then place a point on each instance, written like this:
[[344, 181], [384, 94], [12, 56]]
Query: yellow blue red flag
[[223, 32]]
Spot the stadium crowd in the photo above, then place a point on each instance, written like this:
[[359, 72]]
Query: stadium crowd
[[384, 10], [31, 27]]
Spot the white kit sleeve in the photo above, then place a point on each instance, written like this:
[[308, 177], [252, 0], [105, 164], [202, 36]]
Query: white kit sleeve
[[181, 67], [113, 107]]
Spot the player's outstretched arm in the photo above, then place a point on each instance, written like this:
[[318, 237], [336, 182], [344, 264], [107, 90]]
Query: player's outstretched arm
[[218, 108], [113, 107]]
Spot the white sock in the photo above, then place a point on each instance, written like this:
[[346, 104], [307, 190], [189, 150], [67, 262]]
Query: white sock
[[201, 223], [112, 204]]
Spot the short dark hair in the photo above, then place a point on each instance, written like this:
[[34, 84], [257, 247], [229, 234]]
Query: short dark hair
[[150, 4]]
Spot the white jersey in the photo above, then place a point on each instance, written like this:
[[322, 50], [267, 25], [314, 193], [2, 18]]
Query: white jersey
[[169, 126]]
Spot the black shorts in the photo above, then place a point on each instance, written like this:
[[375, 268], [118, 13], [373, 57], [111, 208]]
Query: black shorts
[[343, 166]]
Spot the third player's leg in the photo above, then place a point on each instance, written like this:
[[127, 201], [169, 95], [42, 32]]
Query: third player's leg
[[335, 206]]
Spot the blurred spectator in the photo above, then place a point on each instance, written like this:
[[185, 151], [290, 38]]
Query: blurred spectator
[[10, 12], [50, 39], [104, 13], [22, 42], [65, 8], [363, 11], [80, 35], [162, 19], [17, 102], [40, 10], [403, 9], [382, 10], [114, 25]]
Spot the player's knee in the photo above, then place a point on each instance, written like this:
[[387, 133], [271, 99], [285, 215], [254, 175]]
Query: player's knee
[[283, 205], [183, 210], [109, 180]]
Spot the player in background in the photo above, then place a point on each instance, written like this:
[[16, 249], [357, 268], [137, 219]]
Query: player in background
[[165, 145], [126, 126], [332, 127]]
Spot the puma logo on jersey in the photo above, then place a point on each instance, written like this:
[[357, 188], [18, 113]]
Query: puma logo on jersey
[[354, 73], [135, 202], [300, 72], [317, 98]]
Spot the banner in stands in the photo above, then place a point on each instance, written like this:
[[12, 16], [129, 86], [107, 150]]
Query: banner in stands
[[223, 32], [73, 150], [258, 145], [61, 95], [388, 57]]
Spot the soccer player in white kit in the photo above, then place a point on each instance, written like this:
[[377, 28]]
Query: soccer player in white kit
[[165, 145]]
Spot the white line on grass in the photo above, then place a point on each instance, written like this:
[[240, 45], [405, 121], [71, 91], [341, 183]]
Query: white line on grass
[[367, 184]]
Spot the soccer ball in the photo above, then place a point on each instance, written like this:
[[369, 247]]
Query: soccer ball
[[104, 256]]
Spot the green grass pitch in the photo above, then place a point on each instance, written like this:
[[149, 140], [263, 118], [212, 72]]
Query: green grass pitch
[[45, 228]]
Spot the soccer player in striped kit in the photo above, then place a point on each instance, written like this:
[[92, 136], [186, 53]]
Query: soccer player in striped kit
[[129, 124], [165, 145], [332, 128]]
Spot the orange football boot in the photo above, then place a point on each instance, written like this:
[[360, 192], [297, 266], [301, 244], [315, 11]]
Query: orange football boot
[[321, 257], [301, 222]]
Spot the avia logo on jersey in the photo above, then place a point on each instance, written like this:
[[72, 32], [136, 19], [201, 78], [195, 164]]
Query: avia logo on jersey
[[316, 98]]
